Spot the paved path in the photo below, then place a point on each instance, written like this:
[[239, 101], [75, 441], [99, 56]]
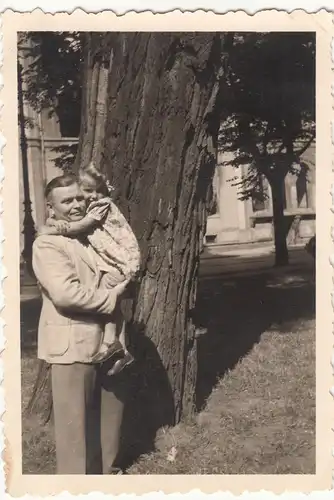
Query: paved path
[[217, 262]]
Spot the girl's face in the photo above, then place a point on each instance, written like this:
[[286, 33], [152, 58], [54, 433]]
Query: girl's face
[[89, 188]]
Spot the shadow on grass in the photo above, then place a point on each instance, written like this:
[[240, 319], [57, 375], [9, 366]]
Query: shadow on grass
[[236, 313], [150, 405]]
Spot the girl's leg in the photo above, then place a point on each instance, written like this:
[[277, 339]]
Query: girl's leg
[[122, 337], [109, 334], [110, 346], [113, 339], [127, 359]]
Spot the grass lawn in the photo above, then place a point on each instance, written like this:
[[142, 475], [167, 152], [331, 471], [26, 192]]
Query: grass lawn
[[256, 387], [259, 418], [38, 447]]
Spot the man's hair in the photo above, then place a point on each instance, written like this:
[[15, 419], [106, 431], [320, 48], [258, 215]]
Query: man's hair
[[60, 181]]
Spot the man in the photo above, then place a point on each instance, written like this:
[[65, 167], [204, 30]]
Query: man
[[70, 333]]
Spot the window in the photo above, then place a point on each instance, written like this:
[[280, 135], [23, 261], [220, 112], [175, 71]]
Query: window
[[213, 208], [301, 188], [212, 238], [284, 195], [260, 199], [68, 112]]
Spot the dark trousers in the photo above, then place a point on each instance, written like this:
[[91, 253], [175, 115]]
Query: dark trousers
[[88, 410]]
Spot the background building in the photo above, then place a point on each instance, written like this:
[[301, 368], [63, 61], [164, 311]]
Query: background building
[[249, 221], [46, 136]]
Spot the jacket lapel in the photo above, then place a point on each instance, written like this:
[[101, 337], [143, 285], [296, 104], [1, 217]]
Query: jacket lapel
[[84, 252]]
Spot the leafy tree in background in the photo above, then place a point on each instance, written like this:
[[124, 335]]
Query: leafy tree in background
[[53, 82], [268, 114]]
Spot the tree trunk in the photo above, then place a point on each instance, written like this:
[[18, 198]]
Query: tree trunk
[[98, 59], [159, 151], [280, 230]]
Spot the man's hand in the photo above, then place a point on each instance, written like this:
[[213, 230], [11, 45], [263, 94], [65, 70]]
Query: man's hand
[[50, 221], [61, 226], [109, 281], [126, 288], [121, 288]]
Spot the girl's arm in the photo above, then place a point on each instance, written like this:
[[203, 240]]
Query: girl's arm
[[73, 228], [97, 212]]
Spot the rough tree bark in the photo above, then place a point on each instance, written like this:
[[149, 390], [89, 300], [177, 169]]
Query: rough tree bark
[[98, 59], [157, 141]]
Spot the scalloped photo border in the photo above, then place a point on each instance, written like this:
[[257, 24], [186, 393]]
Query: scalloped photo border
[[269, 20]]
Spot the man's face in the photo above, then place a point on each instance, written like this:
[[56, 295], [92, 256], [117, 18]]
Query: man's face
[[67, 203]]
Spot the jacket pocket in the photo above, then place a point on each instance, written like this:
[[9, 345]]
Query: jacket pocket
[[58, 339], [87, 339]]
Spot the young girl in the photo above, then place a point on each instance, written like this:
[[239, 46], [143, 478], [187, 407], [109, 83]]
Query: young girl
[[110, 235]]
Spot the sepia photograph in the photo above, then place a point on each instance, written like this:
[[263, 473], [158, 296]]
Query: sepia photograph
[[167, 252]]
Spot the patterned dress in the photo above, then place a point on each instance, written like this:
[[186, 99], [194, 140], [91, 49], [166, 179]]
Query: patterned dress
[[114, 240]]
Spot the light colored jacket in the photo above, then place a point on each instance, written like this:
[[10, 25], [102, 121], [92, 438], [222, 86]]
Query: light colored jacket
[[74, 309]]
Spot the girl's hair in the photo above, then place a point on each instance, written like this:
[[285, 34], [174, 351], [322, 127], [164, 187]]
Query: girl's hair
[[103, 185]]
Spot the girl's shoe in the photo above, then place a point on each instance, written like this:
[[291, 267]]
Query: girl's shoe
[[115, 470], [112, 350], [121, 363]]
